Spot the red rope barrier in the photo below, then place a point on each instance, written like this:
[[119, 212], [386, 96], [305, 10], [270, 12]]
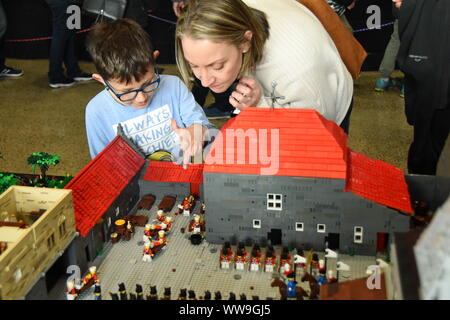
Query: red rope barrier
[[43, 38]]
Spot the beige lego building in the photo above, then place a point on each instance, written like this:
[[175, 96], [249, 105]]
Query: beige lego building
[[36, 224]]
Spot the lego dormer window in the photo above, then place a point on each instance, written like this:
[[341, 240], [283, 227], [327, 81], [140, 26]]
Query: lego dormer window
[[358, 234], [321, 228], [274, 201], [299, 226], [257, 224]]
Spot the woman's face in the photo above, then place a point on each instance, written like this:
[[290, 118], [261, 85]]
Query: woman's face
[[215, 63]]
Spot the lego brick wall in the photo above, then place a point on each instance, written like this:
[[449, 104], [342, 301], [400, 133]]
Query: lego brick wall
[[235, 201]]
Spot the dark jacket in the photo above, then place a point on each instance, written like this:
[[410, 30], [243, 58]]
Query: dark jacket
[[424, 30]]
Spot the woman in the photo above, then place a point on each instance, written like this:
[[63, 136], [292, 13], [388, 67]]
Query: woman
[[278, 51]]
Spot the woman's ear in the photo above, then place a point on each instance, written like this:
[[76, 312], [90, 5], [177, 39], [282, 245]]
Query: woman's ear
[[155, 55], [248, 38], [99, 78]]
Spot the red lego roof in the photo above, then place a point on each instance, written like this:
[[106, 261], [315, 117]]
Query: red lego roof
[[163, 171], [309, 144], [98, 185], [378, 181]]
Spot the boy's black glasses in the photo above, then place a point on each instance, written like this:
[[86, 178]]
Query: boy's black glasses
[[132, 94]]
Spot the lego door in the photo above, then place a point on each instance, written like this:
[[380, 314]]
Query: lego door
[[382, 241], [274, 236], [332, 241]]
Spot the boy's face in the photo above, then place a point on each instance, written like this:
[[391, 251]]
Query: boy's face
[[142, 99]]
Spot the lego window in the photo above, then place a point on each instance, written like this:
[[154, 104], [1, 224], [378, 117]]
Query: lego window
[[257, 224], [321, 228], [299, 226], [358, 234], [274, 201], [62, 229]]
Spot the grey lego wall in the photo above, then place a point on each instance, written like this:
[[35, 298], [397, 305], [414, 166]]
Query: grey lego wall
[[234, 201], [161, 189]]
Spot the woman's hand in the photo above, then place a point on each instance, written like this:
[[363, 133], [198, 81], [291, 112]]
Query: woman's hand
[[398, 3], [191, 140], [247, 94]]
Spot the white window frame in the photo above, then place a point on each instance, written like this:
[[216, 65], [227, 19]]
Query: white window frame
[[356, 233], [272, 200], [302, 228], [256, 226], [324, 228]]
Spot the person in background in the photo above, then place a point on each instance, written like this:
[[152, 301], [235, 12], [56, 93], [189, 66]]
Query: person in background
[[424, 30], [62, 49], [5, 71], [387, 65], [340, 6]]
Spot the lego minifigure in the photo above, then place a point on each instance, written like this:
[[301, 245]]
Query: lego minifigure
[[202, 208], [147, 255], [243, 296], [322, 273], [147, 237], [71, 292], [167, 294], [255, 259], [285, 259], [168, 223], [207, 295], [97, 292], [271, 260], [300, 260], [331, 277], [123, 291], [291, 286], [232, 296], [191, 295], [183, 294], [314, 266], [139, 292], [90, 278], [240, 260], [226, 256], [114, 296], [287, 270], [153, 293], [161, 242], [217, 295], [160, 215]]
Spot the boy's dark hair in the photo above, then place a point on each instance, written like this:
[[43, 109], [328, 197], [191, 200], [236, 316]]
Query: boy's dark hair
[[120, 50]]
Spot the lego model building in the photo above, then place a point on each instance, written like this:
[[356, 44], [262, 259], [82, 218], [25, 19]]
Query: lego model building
[[36, 227], [287, 177]]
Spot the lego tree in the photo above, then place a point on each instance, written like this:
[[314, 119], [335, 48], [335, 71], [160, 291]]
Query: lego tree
[[43, 160]]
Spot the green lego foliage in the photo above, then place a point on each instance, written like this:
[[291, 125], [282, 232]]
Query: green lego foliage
[[7, 180]]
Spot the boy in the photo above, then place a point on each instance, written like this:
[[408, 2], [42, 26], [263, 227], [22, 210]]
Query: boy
[[156, 111]]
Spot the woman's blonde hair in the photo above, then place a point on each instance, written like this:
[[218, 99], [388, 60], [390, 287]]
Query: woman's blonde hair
[[221, 20]]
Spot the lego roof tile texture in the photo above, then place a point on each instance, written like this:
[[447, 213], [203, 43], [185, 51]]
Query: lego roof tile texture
[[96, 187], [161, 171], [378, 181], [309, 144]]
